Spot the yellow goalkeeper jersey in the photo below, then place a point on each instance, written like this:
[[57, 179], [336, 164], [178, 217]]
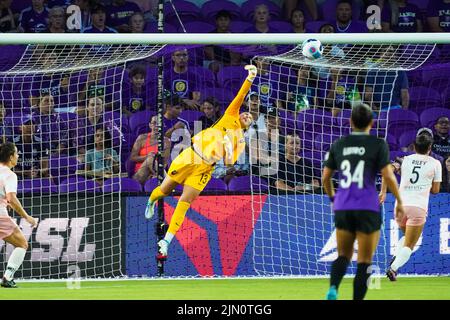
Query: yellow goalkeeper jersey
[[225, 139]]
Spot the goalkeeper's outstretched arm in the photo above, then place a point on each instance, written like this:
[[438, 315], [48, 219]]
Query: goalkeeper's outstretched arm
[[235, 105]]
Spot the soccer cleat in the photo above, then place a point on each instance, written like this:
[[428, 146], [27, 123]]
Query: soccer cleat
[[391, 274], [8, 283], [392, 261], [332, 293], [163, 248], [150, 209]]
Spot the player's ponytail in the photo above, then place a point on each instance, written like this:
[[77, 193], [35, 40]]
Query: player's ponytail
[[7, 149]]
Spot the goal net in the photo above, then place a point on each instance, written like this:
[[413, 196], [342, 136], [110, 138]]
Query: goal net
[[62, 107]]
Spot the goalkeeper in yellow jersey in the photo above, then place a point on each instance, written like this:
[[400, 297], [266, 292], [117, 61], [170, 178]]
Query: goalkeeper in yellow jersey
[[193, 167]]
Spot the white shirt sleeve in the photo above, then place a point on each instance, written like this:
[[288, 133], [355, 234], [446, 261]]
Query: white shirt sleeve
[[437, 172], [11, 183]]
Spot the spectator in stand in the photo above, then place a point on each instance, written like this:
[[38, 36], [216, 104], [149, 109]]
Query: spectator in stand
[[182, 82], [216, 56], [401, 16], [135, 95], [298, 21], [266, 86], [303, 95], [210, 108], [261, 19], [56, 20], [291, 5], [344, 23], [327, 28], [438, 13], [98, 14], [266, 146], [7, 18], [226, 173], [144, 153], [49, 128], [95, 85], [149, 8], [344, 91], [86, 17], [295, 173], [441, 143], [57, 3], [137, 23], [176, 128], [34, 19], [33, 153], [118, 14], [385, 90], [102, 158]]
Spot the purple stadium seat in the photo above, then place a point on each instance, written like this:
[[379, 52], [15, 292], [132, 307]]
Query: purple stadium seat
[[429, 116], [62, 167], [36, 185], [197, 27], [323, 141], [343, 118], [245, 183], [401, 120], [129, 167], [209, 10], [216, 185], [281, 26], [187, 11], [78, 184], [239, 26], [311, 118], [140, 120], [406, 138], [392, 141], [224, 96], [151, 184], [248, 9], [314, 26], [117, 184], [421, 98], [231, 77], [398, 154]]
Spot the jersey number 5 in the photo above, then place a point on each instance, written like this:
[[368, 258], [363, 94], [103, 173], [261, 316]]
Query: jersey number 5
[[357, 176], [416, 178]]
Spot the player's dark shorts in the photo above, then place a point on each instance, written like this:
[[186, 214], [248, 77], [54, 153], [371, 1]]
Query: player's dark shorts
[[358, 220]]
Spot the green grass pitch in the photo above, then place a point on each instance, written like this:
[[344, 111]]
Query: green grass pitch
[[415, 288]]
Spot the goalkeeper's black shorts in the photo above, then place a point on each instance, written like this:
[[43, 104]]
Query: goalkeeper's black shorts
[[358, 220]]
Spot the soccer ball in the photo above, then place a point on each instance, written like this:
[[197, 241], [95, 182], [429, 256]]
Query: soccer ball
[[312, 49]]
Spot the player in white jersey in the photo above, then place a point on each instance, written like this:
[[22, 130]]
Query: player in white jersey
[[9, 231], [420, 175]]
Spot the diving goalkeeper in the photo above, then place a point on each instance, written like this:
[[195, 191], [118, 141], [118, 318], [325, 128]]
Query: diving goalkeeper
[[193, 167]]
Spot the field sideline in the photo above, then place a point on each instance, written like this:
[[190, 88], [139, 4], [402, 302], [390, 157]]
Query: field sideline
[[412, 288]]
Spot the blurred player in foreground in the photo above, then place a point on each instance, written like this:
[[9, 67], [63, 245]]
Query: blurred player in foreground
[[358, 157], [420, 174], [9, 231], [193, 167]]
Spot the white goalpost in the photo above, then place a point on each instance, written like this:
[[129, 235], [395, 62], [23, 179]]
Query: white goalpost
[[67, 87]]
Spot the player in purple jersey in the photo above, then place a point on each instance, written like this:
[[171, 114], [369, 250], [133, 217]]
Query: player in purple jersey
[[358, 158]]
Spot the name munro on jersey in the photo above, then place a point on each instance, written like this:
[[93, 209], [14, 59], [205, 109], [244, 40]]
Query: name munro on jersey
[[360, 151]]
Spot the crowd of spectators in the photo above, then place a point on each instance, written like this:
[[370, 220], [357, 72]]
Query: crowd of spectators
[[191, 80]]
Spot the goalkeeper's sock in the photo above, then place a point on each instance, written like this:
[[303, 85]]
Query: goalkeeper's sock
[[360, 281], [338, 270], [157, 194], [14, 263], [401, 258], [178, 217]]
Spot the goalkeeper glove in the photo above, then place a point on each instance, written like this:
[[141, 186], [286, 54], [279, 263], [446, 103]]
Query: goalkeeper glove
[[252, 72]]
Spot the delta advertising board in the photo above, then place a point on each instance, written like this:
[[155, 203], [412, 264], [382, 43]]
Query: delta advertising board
[[291, 234]]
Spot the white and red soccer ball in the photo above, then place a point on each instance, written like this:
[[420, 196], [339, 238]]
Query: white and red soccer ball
[[312, 49]]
